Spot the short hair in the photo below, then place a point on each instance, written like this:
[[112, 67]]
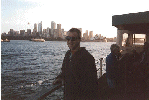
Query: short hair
[[113, 46], [77, 31]]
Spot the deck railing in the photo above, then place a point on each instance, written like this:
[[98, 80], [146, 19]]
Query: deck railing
[[40, 95]]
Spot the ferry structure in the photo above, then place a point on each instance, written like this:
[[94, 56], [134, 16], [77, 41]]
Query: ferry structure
[[37, 40], [133, 84]]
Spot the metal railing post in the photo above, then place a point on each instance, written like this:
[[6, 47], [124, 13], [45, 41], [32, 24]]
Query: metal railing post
[[100, 66]]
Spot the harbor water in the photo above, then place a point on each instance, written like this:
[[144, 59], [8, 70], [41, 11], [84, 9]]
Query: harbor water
[[28, 66]]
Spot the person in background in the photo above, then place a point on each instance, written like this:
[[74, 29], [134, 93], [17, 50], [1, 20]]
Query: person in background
[[112, 65], [145, 53], [144, 62], [78, 70]]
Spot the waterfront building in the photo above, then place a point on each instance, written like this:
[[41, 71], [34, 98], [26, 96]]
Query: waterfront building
[[3, 34], [22, 32], [35, 26], [53, 27], [59, 33], [86, 35], [63, 34], [16, 33], [35, 29], [99, 35], [48, 34], [81, 31], [34, 32], [90, 34], [55, 33], [40, 28], [11, 32], [29, 32], [44, 31]]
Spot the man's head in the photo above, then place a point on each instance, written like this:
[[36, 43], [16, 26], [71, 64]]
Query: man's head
[[115, 49], [73, 38]]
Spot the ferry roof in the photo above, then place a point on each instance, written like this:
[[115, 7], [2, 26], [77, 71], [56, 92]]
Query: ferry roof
[[136, 22]]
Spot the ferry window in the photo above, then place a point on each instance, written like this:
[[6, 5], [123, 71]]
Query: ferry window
[[125, 36], [139, 39]]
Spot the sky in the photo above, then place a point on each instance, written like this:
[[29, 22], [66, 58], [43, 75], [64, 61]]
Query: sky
[[91, 15]]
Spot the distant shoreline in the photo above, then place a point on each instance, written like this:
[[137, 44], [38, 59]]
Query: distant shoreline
[[46, 39]]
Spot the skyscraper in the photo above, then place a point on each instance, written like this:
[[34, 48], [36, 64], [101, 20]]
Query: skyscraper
[[11, 32], [90, 34], [81, 31], [40, 28], [53, 26], [22, 32], [35, 29], [86, 35], [28, 32], [48, 32], [59, 30], [35, 26]]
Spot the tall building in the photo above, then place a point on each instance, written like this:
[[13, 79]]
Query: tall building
[[53, 26], [40, 28], [90, 34], [11, 32], [55, 33], [99, 36], [28, 32], [86, 35], [15, 33], [81, 31], [35, 29], [35, 26], [48, 32], [63, 33], [22, 32], [44, 31], [59, 32]]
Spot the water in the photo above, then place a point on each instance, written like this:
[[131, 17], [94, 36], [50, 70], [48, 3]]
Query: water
[[26, 66]]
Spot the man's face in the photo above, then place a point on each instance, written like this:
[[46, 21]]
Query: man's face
[[73, 43]]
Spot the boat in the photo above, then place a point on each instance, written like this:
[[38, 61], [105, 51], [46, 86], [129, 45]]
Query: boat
[[131, 85], [6, 40], [38, 40]]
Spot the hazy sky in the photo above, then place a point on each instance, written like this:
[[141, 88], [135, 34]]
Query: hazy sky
[[91, 15]]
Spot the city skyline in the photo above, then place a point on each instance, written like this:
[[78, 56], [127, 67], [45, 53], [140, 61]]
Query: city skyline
[[40, 30], [89, 15], [52, 32]]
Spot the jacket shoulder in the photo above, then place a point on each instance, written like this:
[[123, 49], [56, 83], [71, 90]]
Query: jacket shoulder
[[86, 54]]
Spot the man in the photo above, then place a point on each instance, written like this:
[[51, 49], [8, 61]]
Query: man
[[142, 65], [112, 65], [145, 53], [144, 62], [78, 70]]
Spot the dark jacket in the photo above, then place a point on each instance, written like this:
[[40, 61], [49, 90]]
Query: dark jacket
[[111, 66], [80, 76]]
